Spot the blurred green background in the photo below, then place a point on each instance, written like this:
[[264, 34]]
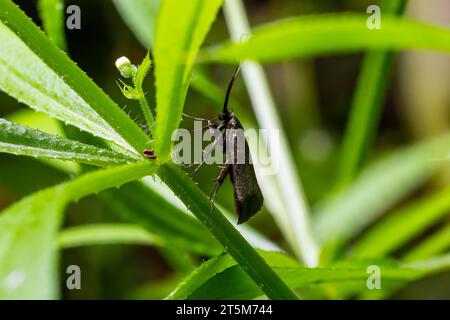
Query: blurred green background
[[313, 97]]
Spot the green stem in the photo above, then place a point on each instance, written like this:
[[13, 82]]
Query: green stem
[[146, 111], [228, 236], [367, 103]]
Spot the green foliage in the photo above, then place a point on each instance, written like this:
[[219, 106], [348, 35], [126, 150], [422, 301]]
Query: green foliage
[[222, 229], [176, 226], [157, 210], [52, 16], [404, 225], [366, 106], [377, 189], [29, 228], [28, 254], [101, 234], [175, 50], [222, 270], [21, 140], [140, 16], [433, 245], [43, 77], [325, 34], [136, 92]]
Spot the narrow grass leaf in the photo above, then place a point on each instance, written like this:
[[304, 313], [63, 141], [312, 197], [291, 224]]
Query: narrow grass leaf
[[377, 189], [221, 278], [52, 15], [367, 104], [140, 16], [434, 244], [175, 50], [329, 34], [400, 227], [107, 234]]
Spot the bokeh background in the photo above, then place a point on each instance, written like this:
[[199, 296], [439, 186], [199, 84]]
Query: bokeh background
[[313, 97]]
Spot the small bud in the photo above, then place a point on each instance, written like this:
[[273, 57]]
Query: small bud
[[127, 70]]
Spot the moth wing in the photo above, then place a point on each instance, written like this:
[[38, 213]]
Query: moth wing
[[248, 197]]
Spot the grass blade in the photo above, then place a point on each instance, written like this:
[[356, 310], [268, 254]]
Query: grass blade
[[140, 16], [107, 234], [176, 47], [21, 140], [221, 278], [395, 230], [366, 105], [52, 15], [329, 34], [42, 76], [433, 245], [377, 189]]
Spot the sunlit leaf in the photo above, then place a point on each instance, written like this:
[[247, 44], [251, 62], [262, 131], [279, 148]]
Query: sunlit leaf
[[329, 34], [21, 140], [175, 50], [53, 21], [37, 73]]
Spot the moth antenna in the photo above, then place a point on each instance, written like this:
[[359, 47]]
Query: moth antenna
[[230, 86]]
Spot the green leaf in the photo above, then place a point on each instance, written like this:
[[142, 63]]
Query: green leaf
[[377, 189], [176, 47], [107, 234], [43, 77], [402, 226], [434, 244], [21, 140], [367, 103], [141, 203], [29, 228], [52, 15], [329, 34], [28, 255], [140, 16], [221, 278], [233, 242]]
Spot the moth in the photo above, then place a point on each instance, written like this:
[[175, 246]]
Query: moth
[[248, 198]]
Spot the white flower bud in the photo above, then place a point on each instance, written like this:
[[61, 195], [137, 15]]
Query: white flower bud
[[127, 70]]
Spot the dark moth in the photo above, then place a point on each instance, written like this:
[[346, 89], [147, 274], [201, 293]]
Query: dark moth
[[248, 198]]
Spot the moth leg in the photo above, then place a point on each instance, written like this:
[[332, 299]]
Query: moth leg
[[194, 118], [219, 181], [208, 154]]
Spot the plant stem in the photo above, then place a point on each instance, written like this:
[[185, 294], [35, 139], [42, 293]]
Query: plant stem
[[366, 106], [146, 111], [228, 236], [296, 225]]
